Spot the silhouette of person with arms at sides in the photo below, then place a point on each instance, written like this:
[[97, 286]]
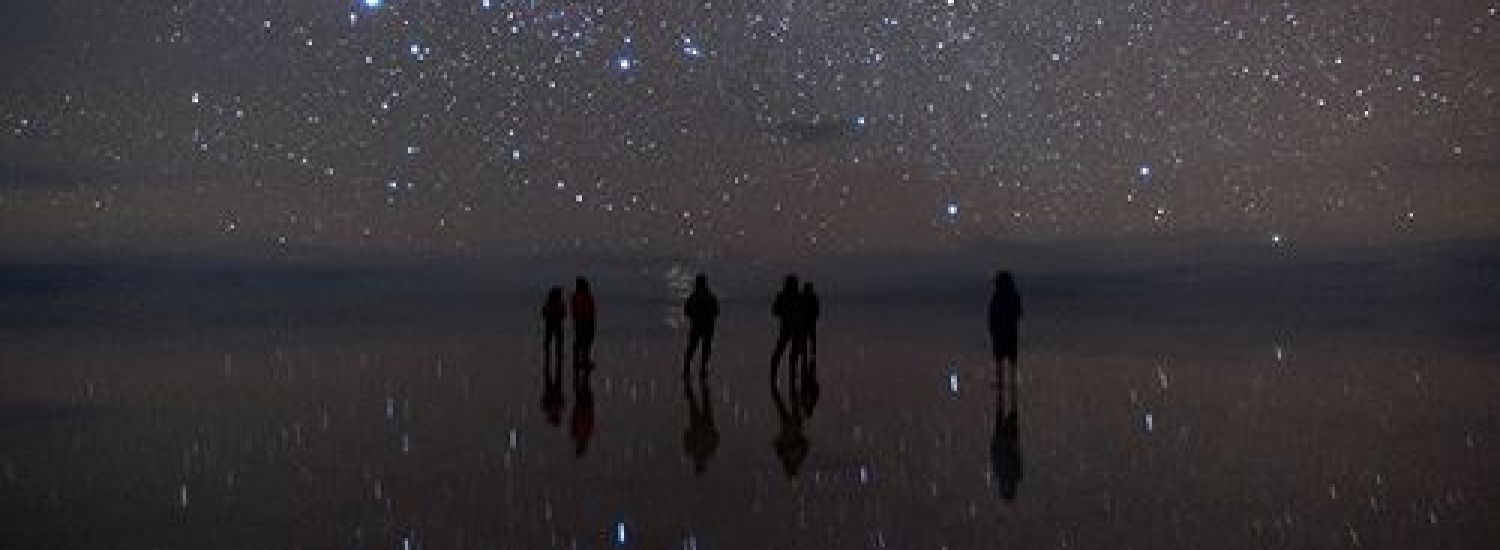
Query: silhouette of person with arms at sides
[[582, 423], [1005, 445], [701, 309], [583, 324], [787, 309], [791, 442], [554, 310], [701, 439]]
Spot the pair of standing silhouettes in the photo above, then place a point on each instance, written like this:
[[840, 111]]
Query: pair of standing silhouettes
[[554, 312], [797, 311]]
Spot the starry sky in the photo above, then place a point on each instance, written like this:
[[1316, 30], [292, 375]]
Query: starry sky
[[739, 128]]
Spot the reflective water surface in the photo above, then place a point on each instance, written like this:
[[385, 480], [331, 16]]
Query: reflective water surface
[[360, 424]]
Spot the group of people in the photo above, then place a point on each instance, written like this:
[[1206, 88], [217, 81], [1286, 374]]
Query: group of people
[[797, 312], [796, 308], [555, 310]]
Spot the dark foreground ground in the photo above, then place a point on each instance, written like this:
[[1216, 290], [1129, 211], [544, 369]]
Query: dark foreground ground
[[323, 410]]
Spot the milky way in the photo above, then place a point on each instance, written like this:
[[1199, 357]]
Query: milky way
[[741, 127]]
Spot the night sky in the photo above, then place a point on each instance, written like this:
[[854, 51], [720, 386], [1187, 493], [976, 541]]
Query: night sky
[[740, 128]]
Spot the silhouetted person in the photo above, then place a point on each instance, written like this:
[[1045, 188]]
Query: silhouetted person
[[788, 311], [554, 310], [791, 442], [1005, 452], [1005, 445], [809, 309], [1005, 315], [701, 439], [582, 423], [583, 324], [702, 309]]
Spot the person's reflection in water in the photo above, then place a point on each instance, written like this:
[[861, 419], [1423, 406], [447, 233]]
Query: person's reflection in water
[[791, 443], [701, 309], [701, 439], [1005, 451], [552, 391], [1005, 444], [582, 423]]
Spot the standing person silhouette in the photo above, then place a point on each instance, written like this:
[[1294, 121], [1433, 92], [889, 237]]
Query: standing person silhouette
[[787, 310], [1005, 315], [701, 309], [583, 324], [554, 310]]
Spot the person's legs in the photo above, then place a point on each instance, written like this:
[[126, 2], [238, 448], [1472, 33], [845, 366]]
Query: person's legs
[[586, 341], [583, 341], [799, 353], [547, 343], [708, 346], [782, 339], [1013, 374], [555, 342], [694, 334]]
